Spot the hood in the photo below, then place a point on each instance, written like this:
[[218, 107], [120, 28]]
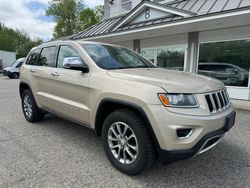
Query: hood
[[7, 68], [171, 81]]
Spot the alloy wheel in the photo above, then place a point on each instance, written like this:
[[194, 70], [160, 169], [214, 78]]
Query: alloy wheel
[[27, 106], [122, 142]]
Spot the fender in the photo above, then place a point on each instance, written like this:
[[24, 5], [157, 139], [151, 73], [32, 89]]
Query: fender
[[124, 104]]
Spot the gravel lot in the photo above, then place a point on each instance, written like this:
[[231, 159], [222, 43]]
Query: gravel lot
[[59, 153]]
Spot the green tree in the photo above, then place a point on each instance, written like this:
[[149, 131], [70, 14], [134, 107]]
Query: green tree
[[72, 16], [89, 17], [16, 41], [99, 11], [66, 14]]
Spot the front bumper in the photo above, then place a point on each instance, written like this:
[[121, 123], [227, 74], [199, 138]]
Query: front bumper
[[6, 73], [204, 144], [207, 132]]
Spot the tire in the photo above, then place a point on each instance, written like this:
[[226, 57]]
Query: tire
[[15, 75], [144, 157], [30, 109]]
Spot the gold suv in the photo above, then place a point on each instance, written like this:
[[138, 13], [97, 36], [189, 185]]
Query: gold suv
[[140, 111]]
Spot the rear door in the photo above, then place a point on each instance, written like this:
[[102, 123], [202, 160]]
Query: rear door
[[45, 66], [31, 71], [69, 88]]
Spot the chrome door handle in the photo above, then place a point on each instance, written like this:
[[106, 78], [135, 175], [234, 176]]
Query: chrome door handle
[[54, 74], [32, 70]]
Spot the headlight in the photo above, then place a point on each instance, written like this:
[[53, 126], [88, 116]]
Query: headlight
[[178, 100]]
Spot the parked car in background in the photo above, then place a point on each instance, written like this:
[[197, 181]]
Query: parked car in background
[[13, 70], [229, 74]]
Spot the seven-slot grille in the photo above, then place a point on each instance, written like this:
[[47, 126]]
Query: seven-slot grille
[[218, 101]]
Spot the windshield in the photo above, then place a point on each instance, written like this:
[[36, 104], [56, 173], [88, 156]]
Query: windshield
[[13, 64], [115, 57]]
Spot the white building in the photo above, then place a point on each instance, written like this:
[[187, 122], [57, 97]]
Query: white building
[[210, 37], [6, 59]]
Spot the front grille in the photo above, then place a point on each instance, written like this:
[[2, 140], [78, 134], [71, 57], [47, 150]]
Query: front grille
[[218, 101]]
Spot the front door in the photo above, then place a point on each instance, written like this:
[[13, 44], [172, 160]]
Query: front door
[[70, 87]]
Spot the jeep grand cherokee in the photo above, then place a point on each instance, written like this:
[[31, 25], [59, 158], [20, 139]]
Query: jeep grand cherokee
[[140, 111]]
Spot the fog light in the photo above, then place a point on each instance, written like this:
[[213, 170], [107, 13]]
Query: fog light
[[184, 133]]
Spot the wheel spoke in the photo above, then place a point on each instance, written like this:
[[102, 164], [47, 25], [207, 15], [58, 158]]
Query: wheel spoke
[[114, 146], [124, 156], [125, 130], [119, 128], [130, 153], [132, 147], [131, 136], [114, 132], [119, 153], [112, 139]]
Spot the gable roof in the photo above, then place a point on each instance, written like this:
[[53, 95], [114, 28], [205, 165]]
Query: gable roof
[[196, 9], [148, 4]]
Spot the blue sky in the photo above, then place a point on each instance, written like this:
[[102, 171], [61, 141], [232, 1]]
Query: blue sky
[[29, 16]]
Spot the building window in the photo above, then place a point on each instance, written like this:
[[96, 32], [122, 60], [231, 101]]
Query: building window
[[171, 58], [227, 61], [126, 5], [148, 54]]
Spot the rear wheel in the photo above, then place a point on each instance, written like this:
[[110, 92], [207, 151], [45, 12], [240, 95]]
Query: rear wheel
[[127, 143], [30, 109]]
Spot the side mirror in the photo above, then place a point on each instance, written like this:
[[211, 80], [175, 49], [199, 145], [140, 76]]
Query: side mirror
[[74, 63]]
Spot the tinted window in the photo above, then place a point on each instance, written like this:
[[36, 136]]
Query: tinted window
[[47, 57], [115, 57], [33, 57], [66, 52]]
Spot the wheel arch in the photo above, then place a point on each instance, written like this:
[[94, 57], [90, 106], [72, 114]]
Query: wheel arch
[[108, 106], [22, 87]]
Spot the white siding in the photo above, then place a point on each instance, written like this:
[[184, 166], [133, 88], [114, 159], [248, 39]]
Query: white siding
[[116, 8], [128, 44], [7, 58], [225, 34], [164, 41]]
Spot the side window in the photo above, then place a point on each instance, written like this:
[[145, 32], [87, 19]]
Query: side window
[[48, 57], [33, 57], [66, 52]]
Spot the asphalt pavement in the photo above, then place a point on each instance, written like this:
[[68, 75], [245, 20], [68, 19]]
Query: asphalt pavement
[[59, 153]]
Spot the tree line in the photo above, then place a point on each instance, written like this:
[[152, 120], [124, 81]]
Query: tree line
[[14, 40]]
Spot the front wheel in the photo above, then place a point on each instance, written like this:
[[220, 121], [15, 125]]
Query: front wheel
[[127, 143], [15, 75]]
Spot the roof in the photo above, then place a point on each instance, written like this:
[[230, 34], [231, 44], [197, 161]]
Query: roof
[[2, 51], [177, 11]]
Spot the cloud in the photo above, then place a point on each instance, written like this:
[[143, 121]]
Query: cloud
[[27, 15], [93, 3]]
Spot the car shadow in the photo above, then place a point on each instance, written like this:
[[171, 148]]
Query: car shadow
[[216, 167]]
